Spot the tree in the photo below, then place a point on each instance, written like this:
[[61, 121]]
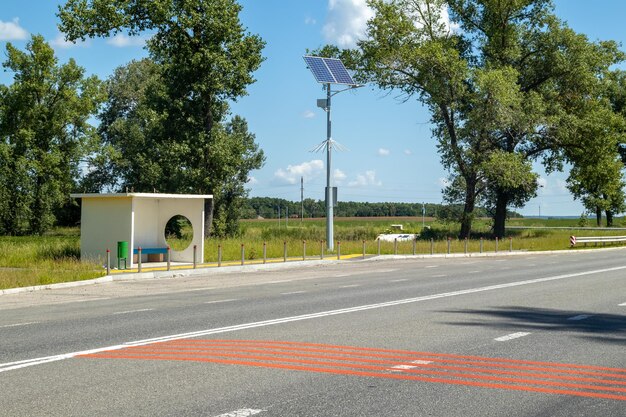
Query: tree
[[44, 132], [205, 59], [503, 82]]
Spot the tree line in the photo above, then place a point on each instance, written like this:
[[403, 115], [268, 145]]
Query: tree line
[[508, 84], [271, 208], [163, 122]]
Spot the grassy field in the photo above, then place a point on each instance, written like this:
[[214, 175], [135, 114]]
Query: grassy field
[[26, 261]]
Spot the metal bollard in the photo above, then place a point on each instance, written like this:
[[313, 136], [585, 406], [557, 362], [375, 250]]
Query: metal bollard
[[378, 240], [219, 255], [169, 257], [243, 254], [304, 250], [108, 262], [496, 244], [321, 249], [510, 244], [395, 246], [139, 259], [432, 246], [466, 246], [195, 256], [363, 249], [338, 250], [285, 251], [481, 245], [264, 252], [449, 239]]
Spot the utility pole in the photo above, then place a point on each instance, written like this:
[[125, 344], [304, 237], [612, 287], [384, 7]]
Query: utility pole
[[301, 199], [423, 214]]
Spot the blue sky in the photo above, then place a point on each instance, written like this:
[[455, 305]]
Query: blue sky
[[391, 153]]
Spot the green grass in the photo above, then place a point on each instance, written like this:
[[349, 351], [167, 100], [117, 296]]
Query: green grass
[[26, 261], [40, 260]]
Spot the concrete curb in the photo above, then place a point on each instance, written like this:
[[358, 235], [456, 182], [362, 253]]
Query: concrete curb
[[280, 265]]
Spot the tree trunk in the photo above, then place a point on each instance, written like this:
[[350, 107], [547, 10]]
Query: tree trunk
[[499, 218], [468, 209], [598, 216], [208, 217], [609, 218]]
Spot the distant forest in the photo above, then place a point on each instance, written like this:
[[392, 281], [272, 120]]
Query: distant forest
[[268, 208]]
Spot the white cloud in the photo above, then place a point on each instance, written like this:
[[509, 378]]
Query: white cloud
[[346, 22], [408, 152], [12, 31], [367, 179], [292, 174], [383, 152], [60, 42], [308, 114], [252, 180], [443, 182], [122, 41], [339, 176], [309, 21]]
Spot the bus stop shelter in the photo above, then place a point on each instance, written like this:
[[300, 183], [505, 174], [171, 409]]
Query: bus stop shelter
[[140, 220]]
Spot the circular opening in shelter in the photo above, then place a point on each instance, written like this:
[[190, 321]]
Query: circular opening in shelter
[[178, 233]]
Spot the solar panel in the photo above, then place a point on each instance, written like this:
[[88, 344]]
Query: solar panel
[[328, 70], [319, 69], [339, 71]]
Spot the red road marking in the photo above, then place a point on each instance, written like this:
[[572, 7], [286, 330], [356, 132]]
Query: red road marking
[[149, 350], [371, 362]]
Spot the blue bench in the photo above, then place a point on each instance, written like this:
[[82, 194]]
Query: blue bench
[[150, 251]]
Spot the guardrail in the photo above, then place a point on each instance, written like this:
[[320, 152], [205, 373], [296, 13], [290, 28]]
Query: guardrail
[[573, 240]]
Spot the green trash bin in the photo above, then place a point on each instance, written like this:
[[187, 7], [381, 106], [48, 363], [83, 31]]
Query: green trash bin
[[122, 253]]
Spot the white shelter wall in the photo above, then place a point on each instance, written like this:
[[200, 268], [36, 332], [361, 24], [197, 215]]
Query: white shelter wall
[[104, 222], [193, 209], [147, 232]]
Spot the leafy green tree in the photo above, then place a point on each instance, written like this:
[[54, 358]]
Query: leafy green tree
[[205, 59], [503, 82], [44, 133]]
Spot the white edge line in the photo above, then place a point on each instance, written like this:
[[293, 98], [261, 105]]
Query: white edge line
[[18, 324], [221, 301], [133, 311], [4, 367]]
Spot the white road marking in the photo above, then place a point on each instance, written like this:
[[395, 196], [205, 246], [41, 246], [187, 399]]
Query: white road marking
[[432, 266], [277, 282], [221, 301], [201, 289], [398, 280], [622, 305], [511, 336], [412, 365], [9, 366], [18, 324], [474, 272], [78, 301], [293, 292], [402, 367], [439, 276], [350, 286], [580, 317], [343, 275], [244, 412], [133, 311]]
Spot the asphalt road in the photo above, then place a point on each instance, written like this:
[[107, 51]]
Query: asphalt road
[[531, 335]]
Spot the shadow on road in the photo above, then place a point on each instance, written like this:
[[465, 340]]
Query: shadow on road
[[607, 328]]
